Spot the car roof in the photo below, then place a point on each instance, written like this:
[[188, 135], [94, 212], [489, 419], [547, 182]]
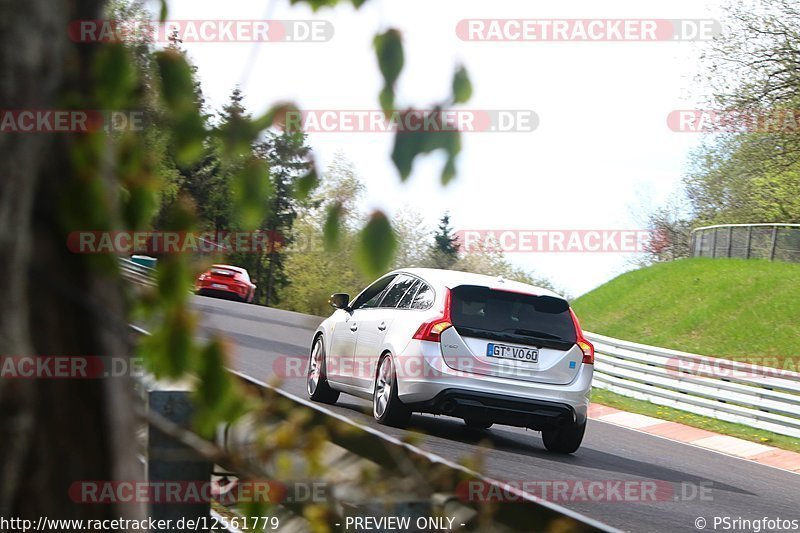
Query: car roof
[[454, 278]]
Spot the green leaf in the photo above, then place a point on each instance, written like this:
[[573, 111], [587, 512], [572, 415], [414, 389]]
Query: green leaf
[[212, 373], [376, 245], [358, 3], [188, 133], [462, 87], [115, 75], [407, 146], [251, 190], [216, 399], [164, 11], [177, 92], [410, 144], [177, 83], [389, 51], [331, 230], [307, 183], [284, 114], [386, 98]]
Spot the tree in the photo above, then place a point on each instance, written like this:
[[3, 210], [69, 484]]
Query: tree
[[670, 229], [288, 157], [413, 238], [488, 259], [48, 182], [444, 252], [750, 176], [316, 272]]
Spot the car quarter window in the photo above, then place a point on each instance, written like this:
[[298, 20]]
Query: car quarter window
[[405, 303], [397, 291], [424, 297], [372, 294]]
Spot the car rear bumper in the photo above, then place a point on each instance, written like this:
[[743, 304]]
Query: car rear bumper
[[229, 294], [499, 409], [430, 382]]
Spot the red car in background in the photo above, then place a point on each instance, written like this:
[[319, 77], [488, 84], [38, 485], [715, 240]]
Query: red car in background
[[226, 281]]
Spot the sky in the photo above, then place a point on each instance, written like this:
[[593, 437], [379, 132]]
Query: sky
[[600, 158]]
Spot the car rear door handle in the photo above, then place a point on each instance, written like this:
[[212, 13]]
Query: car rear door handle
[[382, 326]]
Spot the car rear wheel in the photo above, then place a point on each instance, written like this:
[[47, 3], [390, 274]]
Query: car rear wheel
[[386, 406], [564, 440], [477, 424], [316, 380]]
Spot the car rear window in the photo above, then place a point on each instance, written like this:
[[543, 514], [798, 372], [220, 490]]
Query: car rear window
[[497, 311], [222, 272]]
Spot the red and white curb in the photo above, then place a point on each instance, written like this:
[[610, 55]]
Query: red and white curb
[[744, 449]]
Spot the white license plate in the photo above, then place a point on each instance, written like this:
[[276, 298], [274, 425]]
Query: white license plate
[[516, 353], [218, 286]]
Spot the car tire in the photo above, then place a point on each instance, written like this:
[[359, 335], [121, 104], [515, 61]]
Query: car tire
[[386, 406], [317, 385], [564, 440], [478, 424]]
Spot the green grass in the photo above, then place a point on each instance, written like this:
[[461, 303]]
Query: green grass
[[747, 310], [631, 405], [743, 310]]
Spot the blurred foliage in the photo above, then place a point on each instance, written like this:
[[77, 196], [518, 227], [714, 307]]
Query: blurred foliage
[[195, 170]]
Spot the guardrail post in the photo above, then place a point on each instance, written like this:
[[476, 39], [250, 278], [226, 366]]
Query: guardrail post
[[168, 459]]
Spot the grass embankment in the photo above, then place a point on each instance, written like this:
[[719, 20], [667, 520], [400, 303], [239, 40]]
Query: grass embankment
[[737, 309], [747, 311]]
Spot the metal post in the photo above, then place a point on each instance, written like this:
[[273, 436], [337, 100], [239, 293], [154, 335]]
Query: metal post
[[714, 243], [774, 242], [749, 240], [170, 460], [730, 240]]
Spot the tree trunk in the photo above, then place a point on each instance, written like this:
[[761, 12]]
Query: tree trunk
[[54, 431]]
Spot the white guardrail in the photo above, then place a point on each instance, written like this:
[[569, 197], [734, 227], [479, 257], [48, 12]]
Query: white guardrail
[[755, 396], [136, 273]]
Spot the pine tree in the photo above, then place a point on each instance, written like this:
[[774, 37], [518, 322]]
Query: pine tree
[[444, 252]]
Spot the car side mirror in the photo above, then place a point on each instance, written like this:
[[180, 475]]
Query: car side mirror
[[339, 300]]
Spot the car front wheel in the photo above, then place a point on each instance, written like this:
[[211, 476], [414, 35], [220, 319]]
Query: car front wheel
[[564, 440], [386, 406]]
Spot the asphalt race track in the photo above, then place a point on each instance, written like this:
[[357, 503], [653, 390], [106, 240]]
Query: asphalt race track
[[735, 488]]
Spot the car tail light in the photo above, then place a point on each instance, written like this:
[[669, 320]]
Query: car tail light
[[432, 330], [586, 347]]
